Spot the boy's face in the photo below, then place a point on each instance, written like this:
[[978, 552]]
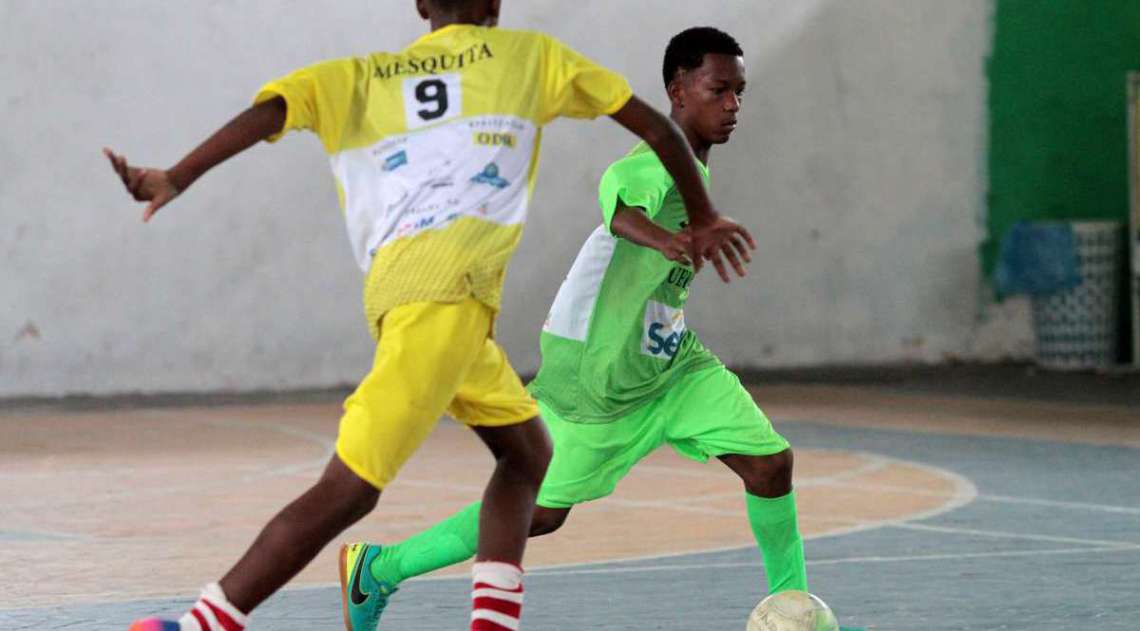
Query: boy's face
[[709, 96]]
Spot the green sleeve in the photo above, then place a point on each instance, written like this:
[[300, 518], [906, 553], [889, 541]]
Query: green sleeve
[[636, 180]]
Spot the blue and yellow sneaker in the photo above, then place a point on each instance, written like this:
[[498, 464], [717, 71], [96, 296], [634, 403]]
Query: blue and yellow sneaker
[[363, 596]]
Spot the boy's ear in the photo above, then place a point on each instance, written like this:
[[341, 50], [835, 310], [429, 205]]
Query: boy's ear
[[676, 89], [422, 8]]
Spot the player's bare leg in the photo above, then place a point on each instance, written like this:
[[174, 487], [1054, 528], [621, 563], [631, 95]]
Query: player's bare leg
[[298, 533], [521, 453], [286, 545]]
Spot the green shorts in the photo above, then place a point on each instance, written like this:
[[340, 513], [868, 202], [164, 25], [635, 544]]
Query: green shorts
[[705, 414]]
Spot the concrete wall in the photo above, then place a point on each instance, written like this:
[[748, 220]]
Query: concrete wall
[[858, 166]]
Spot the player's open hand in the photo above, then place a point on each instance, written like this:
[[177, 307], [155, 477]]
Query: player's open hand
[[145, 185], [679, 248], [723, 239]]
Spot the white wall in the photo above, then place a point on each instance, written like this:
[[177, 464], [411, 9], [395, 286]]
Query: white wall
[[859, 166]]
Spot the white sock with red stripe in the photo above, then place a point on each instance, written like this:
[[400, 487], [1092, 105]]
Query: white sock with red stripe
[[213, 612], [496, 597]]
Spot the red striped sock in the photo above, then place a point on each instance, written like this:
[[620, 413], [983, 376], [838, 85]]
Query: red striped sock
[[496, 597], [213, 612]]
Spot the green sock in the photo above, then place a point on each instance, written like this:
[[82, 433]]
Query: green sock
[[451, 541], [774, 525]]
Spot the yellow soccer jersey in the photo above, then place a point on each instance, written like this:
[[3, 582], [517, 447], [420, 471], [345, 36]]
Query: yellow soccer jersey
[[435, 149]]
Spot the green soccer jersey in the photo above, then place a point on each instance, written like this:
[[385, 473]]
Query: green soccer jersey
[[615, 338]]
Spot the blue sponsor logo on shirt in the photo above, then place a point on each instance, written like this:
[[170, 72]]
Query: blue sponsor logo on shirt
[[490, 176], [395, 161], [659, 345]]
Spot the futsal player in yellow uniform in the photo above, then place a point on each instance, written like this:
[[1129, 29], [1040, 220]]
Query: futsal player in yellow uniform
[[434, 150]]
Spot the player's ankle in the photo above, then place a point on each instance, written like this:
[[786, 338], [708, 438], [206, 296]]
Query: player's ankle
[[496, 596], [386, 566], [214, 612]]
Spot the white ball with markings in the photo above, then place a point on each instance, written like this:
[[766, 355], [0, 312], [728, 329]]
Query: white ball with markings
[[792, 611]]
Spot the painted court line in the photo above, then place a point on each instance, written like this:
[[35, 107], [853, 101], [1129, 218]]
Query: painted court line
[[1015, 535], [839, 561], [1106, 508], [998, 499], [570, 570]]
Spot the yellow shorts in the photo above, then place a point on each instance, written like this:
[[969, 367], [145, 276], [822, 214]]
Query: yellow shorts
[[432, 357]]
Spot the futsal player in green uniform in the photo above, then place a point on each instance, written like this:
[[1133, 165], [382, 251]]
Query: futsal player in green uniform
[[621, 373]]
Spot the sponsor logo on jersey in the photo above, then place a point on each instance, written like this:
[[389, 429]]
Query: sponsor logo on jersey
[[490, 176], [395, 161], [498, 123], [680, 277], [662, 344], [409, 228], [664, 328], [495, 139]]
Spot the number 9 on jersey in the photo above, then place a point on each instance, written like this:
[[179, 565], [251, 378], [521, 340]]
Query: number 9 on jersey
[[431, 99]]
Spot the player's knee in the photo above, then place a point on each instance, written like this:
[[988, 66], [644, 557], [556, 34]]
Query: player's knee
[[352, 503], [547, 520], [543, 452], [529, 463], [364, 502], [350, 495], [769, 476], [532, 466]]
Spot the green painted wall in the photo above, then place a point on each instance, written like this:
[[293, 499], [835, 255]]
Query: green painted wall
[[1058, 145]]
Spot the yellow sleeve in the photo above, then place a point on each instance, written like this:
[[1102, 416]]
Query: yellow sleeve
[[318, 97], [576, 87]]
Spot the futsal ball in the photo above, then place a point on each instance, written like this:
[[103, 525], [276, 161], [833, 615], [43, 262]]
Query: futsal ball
[[792, 611]]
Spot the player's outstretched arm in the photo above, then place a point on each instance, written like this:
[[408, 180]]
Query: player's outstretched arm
[[667, 141], [160, 186], [632, 224], [714, 237]]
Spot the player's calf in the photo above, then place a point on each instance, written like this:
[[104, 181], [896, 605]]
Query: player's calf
[[771, 508], [522, 453], [298, 533]]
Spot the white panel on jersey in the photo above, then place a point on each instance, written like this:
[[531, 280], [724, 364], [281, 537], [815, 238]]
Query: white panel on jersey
[[664, 326], [432, 99], [424, 180], [574, 305]]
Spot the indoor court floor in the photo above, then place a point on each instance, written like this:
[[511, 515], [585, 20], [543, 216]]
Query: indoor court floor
[[926, 505]]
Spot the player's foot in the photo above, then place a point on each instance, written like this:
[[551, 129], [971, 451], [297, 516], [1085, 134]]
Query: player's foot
[[363, 596], [212, 612], [155, 624]]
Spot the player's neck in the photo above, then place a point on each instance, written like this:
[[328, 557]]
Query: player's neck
[[441, 21], [700, 147]]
